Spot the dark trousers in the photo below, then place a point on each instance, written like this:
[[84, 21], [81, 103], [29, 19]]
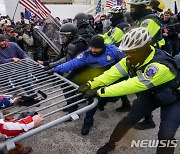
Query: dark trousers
[[102, 101], [143, 105]]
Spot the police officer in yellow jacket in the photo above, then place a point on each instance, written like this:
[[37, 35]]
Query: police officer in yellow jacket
[[154, 77], [114, 36], [142, 12], [118, 26]]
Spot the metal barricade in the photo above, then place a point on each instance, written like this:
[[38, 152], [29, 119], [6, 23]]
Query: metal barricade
[[26, 78]]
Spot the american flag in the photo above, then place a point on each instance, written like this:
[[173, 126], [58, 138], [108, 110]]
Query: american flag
[[36, 7], [98, 11], [111, 3]]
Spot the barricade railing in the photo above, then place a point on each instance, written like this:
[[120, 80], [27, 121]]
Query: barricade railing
[[27, 78]]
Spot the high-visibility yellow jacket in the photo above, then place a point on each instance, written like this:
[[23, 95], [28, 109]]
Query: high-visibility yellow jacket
[[154, 74], [154, 27], [115, 34]]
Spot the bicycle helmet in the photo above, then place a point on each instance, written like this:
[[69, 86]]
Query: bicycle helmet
[[118, 9], [136, 38], [140, 2]]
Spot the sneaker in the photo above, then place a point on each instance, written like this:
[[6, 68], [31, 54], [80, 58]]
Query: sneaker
[[145, 124], [123, 109], [85, 129], [106, 148]]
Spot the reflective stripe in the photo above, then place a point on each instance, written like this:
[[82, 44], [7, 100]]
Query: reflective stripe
[[111, 38], [147, 83], [121, 70]]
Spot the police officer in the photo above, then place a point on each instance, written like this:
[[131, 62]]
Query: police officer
[[114, 36], [155, 77], [142, 13], [118, 26], [72, 45], [99, 57], [84, 28]]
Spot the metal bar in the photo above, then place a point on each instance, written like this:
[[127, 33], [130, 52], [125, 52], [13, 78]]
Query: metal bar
[[55, 87], [19, 65], [26, 84], [18, 72], [48, 41], [19, 77], [59, 101], [46, 94], [37, 104], [31, 86], [50, 124], [60, 109], [40, 70], [19, 81]]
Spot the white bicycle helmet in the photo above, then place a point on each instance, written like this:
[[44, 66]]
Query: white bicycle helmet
[[140, 2], [136, 38], [118, 9]]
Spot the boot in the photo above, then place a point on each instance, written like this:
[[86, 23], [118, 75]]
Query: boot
[[126, 106], [85, 128], [10, 117], [147, 123], [106, 148], [20, 149]]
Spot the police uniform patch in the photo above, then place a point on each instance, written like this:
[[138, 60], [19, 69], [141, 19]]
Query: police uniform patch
[[150, 71], [145, 23], [80, 56], [109, 58]]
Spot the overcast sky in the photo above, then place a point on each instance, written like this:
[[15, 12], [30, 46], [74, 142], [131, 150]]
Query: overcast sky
[[2, 7]]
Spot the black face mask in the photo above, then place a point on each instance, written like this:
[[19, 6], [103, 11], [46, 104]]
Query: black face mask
[[178, 16], [137, 14], [115, 18]]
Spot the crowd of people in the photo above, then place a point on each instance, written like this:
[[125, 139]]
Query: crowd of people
[[134, 52]]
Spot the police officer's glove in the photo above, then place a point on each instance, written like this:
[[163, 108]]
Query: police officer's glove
[[45, 63], [91, 94], [84, 88], [46, 68], [50, 72]]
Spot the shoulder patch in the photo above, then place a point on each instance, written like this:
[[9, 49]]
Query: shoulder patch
[[80, 56], [150, 71], [109, 58], [145, 23]]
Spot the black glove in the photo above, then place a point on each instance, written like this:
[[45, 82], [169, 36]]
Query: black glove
[[84, 88], [50, 72], [45, 63], [91, 93], [46, 68]]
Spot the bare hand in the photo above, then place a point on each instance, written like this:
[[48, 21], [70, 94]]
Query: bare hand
[[38, 119], [40, 62], [165, 34], [16, 60], [179, 35], [20, 37], [17, 101]]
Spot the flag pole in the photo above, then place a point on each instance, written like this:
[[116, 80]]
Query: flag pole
[[15, 10]]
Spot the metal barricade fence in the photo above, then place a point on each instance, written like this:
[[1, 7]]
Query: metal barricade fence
[[26, 78]]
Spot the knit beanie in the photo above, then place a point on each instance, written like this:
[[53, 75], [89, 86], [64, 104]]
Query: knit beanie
[[97, 42]]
